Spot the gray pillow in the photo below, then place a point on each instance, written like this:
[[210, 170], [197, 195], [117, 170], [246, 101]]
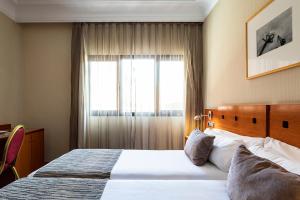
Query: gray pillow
[[198, 147], [251, 177]]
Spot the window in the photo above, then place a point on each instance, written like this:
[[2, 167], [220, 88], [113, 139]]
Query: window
[[138, 85], [148, 85], [103, 85], [171, 83]]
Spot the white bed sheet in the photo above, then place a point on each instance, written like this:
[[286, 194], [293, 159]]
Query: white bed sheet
[[165, 189], [162, 165]]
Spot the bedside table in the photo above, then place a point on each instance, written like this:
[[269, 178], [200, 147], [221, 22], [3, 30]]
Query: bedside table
[[185, 138]]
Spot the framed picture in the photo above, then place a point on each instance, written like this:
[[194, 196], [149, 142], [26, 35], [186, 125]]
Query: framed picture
[[273, 38]]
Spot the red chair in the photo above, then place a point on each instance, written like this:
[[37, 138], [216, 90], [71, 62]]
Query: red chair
[[11, 150]]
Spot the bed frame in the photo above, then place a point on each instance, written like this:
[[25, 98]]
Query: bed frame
[[248, 120], [281, 122], [285, 123]]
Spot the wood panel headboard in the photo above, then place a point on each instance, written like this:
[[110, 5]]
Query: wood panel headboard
[[248, 120], [285, 123]]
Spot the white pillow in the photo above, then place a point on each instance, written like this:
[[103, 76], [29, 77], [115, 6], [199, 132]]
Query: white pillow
[[223, 150], [248, 141], [214, 131], [286, 150], [289, 165]]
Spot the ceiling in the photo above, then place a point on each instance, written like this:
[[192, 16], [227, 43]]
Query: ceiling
[[28, 11]]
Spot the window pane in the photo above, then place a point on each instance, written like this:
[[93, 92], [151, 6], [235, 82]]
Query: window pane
[[171, 85], [137, 85], [103, 85], [126, 86]]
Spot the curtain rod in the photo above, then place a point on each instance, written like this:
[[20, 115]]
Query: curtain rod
[[189, 23]]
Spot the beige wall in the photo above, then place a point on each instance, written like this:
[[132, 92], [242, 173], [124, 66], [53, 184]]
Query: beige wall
[[225, 58], [35, 64], [11, 109], [47, 65]]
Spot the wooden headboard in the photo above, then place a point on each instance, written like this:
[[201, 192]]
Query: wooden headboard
[[248, 120], [285, 123]]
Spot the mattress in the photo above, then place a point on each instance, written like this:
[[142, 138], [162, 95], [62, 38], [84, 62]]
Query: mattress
[[162, 165], [165, 189]]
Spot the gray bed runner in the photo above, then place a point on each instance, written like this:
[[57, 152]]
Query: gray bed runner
[[82, 163], [53, 188]]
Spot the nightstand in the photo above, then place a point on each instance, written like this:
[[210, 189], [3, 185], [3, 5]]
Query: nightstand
[[185, 138]]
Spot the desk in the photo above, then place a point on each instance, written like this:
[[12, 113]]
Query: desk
[[4, 136], [31, 155], [5, 127]]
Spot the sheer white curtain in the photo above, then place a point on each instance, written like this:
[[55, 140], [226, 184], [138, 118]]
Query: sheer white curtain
[[132, 86]]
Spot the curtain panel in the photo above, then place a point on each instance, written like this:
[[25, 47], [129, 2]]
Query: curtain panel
[[130, 44], [76, 52]]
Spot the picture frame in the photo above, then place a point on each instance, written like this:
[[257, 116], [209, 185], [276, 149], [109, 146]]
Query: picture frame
[[273, 38]]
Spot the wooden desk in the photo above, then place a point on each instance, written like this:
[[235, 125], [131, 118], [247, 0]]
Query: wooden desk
[[4, 136], [31, 155], [5, 127]]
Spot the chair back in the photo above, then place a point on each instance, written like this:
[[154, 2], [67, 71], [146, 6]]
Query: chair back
[[12, 147]]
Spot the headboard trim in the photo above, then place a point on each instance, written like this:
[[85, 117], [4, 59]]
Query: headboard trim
[[281, 122]]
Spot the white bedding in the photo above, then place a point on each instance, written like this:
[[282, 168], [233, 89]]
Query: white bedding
[[164, 189], [162, 165]]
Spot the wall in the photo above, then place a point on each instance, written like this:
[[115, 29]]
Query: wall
[[35, 64], [11, 74], [47, 70], [225, 61]]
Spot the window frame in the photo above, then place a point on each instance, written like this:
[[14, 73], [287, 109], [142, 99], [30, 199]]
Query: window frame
[[118, 58]]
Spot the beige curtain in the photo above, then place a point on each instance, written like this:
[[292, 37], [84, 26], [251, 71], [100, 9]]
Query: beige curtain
[[136, 38], [76, 64], [114, 39], [194, 68]]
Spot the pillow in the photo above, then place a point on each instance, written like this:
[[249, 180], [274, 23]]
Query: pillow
[[252, 177], [223, 150], [290, 165], [198, 147], [289, 151], [248, 141]]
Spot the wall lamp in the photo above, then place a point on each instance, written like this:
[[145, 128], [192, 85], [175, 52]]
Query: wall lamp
[[201, 117]]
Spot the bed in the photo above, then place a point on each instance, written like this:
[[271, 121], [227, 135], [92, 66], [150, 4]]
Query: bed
[[91, 189], [128, 164], [74, 188], [156, 164]]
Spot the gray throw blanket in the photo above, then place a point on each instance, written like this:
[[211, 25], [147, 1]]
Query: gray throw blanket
[[82, 163], [53, 188]]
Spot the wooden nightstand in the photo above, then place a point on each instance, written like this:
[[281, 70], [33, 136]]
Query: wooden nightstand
[[185, 138]]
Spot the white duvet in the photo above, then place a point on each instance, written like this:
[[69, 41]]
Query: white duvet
[[162, 165], [165, 190]]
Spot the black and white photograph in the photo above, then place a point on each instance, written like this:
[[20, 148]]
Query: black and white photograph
[[276, 33]]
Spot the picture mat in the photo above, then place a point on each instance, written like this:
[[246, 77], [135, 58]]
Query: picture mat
[[280, 57]]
